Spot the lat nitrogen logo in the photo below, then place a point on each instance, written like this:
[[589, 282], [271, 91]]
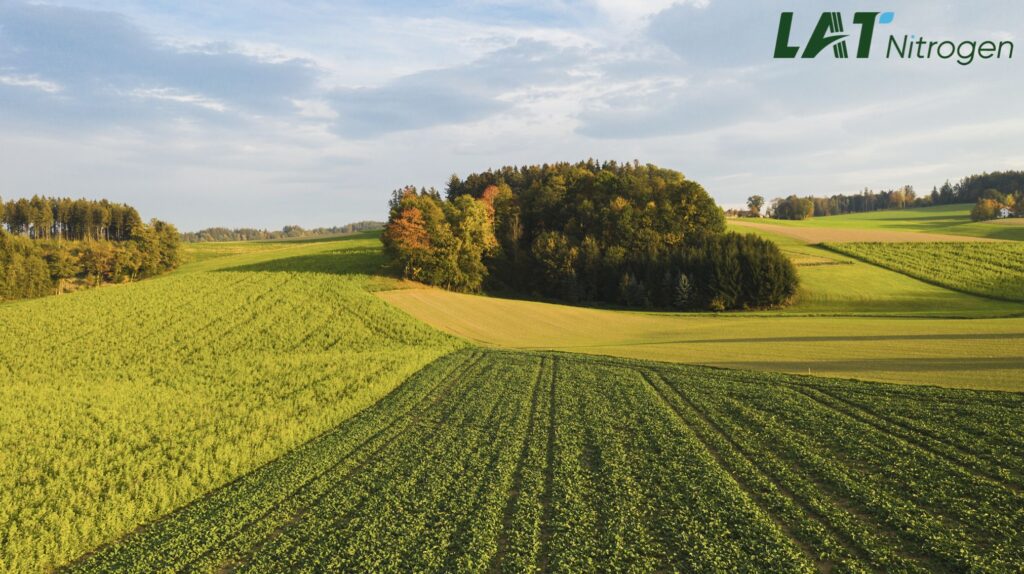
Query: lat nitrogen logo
[[830, 31]]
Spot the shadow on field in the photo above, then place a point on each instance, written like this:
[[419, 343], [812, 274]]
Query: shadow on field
[[334, 262], [890, 365]]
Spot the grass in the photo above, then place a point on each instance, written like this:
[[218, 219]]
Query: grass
[[122, 403], [943, 219], [974, 353], [851, 319], [491, 461], [833, 283], [247, 412], [991, 270]]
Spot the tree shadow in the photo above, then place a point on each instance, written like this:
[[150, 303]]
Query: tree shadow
[[334, 262]]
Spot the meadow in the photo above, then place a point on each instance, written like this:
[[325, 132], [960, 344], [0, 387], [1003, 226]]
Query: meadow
[[942, 220], [991, 270], [122, 403], [832, 283], [966, 353], [496, 461]]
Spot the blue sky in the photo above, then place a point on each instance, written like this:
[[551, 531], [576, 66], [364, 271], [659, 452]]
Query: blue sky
[[246, 113]]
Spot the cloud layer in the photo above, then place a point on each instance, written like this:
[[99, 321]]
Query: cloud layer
[[281, 114]]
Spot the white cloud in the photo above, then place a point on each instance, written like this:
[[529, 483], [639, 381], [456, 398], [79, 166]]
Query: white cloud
[[32, 81], [173, 95]]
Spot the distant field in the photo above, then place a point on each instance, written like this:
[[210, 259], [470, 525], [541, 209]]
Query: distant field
[[991, 270], [519, 462], [974, 353], [833, 283], [122, 403], [943, 220], [824, 233]]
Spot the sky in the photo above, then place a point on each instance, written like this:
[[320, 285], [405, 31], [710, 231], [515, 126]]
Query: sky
[[254, 113]]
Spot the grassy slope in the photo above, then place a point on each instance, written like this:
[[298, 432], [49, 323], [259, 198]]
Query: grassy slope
[[832, 283], [975, 353], [993, 270], [517, 462], [945, 219], [121, 403], [874, 324]]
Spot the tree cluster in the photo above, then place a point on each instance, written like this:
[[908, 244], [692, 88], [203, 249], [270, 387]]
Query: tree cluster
[[92, 243], [992, 201], [629, 234], [288, 232], [69, 219]]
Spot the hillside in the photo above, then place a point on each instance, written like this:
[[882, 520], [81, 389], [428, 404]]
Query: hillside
[[940, 220], [249, 408], [122, 403]]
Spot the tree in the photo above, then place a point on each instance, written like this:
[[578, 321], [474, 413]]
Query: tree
[[985, 209], [589, 231], [755, 202], [682, 296]]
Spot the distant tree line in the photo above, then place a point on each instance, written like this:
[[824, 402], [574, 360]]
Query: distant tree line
[[51, 245], [288, 232], [629, 234], [995, 186]]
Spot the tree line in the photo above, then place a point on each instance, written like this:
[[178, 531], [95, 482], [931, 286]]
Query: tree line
[[629, 234], [288, 232], [995, 186], [72, 219], [53, 245]]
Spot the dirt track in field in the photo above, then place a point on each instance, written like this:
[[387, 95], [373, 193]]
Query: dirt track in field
[[826, 234]]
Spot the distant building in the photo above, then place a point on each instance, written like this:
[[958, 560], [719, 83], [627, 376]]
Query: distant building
[[1003, 213]]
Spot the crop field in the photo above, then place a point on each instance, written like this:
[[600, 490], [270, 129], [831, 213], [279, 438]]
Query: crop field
[[968, 353], [122, 403], [492, 461], [942, 220], [837, 284], [826, 233], [992, 270]]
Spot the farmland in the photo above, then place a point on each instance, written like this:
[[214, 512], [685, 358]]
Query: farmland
[[247, 412], [992, 270], [122, 403], [896, 225], [832, 283], [974, 353], [501, 461]]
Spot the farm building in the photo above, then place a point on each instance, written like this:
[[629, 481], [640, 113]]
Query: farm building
[[1004, 212]]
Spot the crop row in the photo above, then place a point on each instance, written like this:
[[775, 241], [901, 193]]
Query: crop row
[[489, 461]]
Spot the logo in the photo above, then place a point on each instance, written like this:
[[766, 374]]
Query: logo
[[830, 31]]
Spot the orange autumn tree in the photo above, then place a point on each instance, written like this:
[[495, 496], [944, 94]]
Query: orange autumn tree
[[437, 242]]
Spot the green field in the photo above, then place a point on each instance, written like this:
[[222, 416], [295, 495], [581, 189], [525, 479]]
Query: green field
[[943, 219], [249, 408], [122, 403], [989, 269], [517, 462], [837, 284]]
